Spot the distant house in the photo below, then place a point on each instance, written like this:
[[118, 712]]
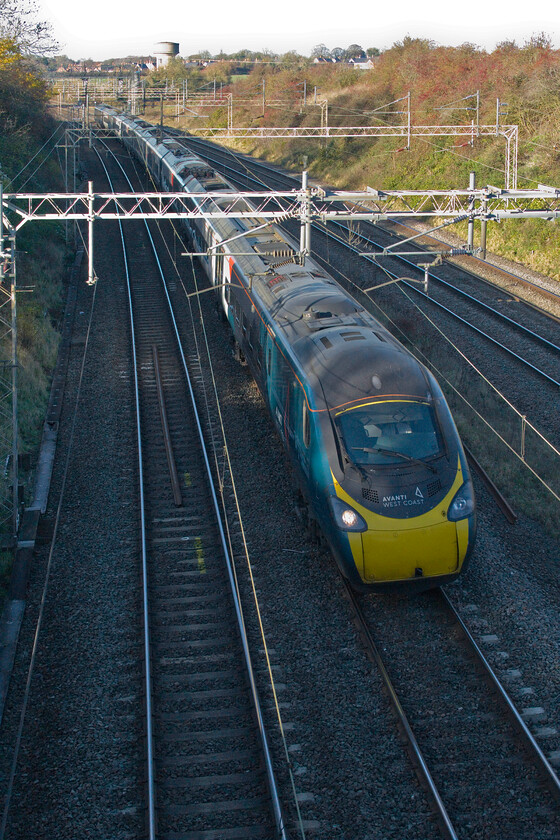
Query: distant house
[[362, 63]]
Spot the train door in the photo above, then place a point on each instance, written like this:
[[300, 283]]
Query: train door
[[223, 279], [301, 426], [273, 383]]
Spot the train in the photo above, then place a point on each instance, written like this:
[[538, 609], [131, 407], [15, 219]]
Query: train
[[378, 460]]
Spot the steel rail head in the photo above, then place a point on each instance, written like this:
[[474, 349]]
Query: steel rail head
[[417, 757], [543, 766]]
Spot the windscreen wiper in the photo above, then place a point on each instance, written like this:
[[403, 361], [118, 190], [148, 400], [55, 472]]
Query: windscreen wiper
[[383, 451]]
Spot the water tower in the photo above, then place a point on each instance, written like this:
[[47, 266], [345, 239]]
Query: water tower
[[165, 50]]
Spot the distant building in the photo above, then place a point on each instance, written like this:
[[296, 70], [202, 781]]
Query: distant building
[[362, 64], [165, 50]]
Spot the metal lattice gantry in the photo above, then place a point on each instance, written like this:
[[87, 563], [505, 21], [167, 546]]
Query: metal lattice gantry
[[407, 132], [488, 203], [325, 131]]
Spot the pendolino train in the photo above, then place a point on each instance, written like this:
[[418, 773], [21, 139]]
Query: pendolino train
[[374, 447]]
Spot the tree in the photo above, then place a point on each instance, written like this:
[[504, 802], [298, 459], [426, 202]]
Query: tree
[[418, 45], [203, 55], [242, 55], [320, 51], [507, 46], [373, 52], [23, 94], [18, 21], [354, 51], [294, 61], [174, 71], [539, 41], [219, 71]]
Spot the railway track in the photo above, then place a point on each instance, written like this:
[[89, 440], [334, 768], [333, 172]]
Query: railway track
[[537, 352], [472, 750], [208, 766], [491, 783]]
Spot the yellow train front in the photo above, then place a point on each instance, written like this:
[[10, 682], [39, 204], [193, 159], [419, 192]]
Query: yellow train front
[[391, 489]]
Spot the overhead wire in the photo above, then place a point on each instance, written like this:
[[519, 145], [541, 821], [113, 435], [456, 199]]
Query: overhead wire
[[58, 129], [239, 159]]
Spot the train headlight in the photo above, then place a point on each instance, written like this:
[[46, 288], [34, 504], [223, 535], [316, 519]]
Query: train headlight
[[462, 504], [346, 518]]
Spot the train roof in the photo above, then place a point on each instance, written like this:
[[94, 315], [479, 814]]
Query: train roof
[[336, 340], [355, 364]]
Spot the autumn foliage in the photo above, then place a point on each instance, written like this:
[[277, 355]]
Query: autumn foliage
[[443, 83], [23, 93]]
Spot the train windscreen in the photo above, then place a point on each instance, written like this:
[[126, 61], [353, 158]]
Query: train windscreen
[[384, 432]]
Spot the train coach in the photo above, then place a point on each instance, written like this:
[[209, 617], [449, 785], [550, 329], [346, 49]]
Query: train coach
[[377, 456]]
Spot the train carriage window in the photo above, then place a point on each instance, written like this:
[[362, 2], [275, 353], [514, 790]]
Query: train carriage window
[[259, 351], [306, 425]]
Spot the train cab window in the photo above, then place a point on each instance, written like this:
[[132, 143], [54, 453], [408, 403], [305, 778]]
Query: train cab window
[[389, 431]]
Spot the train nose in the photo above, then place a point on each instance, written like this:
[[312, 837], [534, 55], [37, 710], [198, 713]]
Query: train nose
[[397, 555]]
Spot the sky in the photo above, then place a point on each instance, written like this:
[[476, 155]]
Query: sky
[[116, 28]]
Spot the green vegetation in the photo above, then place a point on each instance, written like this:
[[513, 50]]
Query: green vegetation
[[24, 127], [27, 163], [42, 267]]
